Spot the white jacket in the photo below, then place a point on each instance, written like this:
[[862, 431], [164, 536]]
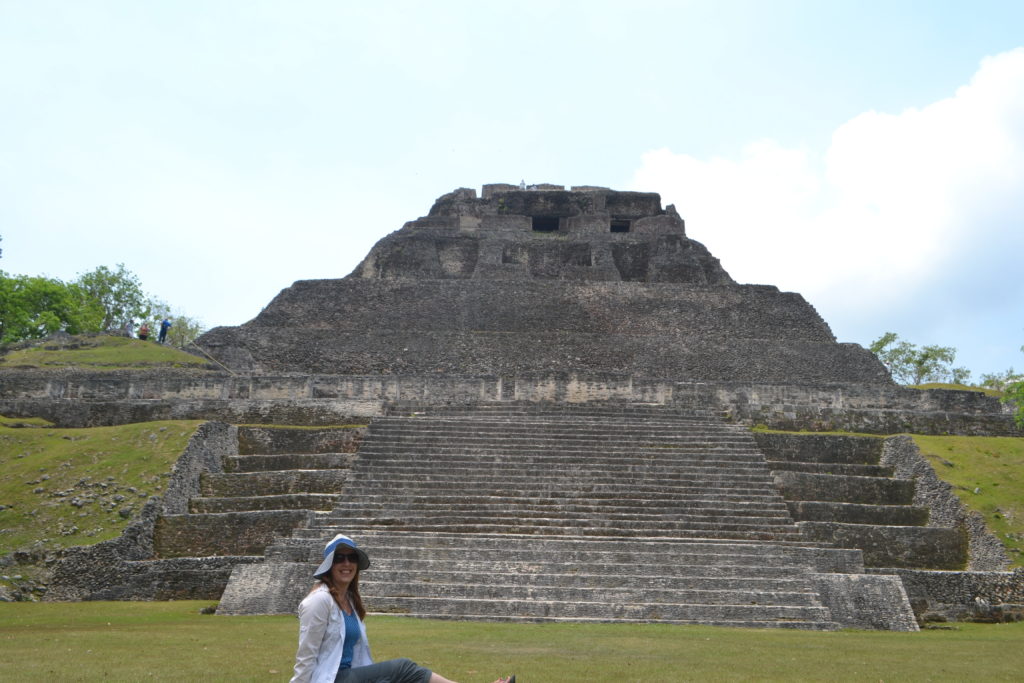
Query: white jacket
[[321, 638]]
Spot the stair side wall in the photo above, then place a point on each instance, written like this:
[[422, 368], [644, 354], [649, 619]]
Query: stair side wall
[[985, 551], [102, 571]]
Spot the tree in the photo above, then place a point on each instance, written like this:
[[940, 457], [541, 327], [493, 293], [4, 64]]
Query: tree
[[1013, 392], [909, 364], [118, 294], [1001, 380], [35, 307]]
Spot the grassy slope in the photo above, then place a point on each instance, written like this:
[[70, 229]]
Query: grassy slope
[[100, 352], [987, 474], [70, 486], [171, 641]]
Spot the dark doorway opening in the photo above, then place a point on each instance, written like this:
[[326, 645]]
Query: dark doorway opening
[[620, 225], [545, 223]]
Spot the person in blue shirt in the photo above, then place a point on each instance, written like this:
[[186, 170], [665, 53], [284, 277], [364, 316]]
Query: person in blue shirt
[[332, 636], [164, 326]]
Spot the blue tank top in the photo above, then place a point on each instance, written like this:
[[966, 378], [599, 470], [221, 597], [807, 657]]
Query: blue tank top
[[352, 636]]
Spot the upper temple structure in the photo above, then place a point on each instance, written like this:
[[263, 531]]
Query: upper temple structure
[[541, 280]]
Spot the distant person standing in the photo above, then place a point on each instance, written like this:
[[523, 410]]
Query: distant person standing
[[164, 326], [144, 331]]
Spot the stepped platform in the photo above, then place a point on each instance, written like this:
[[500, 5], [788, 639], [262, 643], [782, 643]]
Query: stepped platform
[[589, 513], [839, 494]]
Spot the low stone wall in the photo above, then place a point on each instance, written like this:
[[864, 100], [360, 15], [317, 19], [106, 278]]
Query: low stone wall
[[985, 551], [894, 546], [100, 571], [866, 602], [263, 440], [88, 399], [965, 596], [226, 533], [843, 489]]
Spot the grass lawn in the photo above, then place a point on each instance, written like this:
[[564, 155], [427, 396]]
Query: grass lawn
[[101, 352], [987, 474], [65, 487], [131, 641]]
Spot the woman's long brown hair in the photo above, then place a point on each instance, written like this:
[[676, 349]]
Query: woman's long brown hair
[[353, 592]]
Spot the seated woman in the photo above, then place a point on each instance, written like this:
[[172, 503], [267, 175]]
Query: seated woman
[[332, 635]]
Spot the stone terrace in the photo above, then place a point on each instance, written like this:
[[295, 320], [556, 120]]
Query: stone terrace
[[632, 513]]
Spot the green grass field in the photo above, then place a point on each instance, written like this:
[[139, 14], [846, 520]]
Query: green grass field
[[65, 487], [987, 474], [171, 641], [101, 352]]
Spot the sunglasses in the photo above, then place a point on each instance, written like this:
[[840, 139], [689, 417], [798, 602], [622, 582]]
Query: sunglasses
[[351, 557]]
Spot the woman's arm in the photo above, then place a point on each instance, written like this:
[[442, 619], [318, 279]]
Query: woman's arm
[[314, 615]]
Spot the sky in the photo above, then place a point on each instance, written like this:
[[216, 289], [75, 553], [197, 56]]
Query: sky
[[868, 155]]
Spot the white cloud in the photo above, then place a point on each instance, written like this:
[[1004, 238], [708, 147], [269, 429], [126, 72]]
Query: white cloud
[[898, 202]]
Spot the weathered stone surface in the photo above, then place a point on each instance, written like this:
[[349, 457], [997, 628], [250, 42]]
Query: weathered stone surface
[[867, 602], [527, 281], [965, 596], [916, 547], [986, 552]]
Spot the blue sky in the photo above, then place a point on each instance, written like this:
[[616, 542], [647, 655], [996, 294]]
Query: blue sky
[[869, 155]]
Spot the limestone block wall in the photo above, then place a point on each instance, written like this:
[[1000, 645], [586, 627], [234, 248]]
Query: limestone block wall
[[329, 399], [965, 596]]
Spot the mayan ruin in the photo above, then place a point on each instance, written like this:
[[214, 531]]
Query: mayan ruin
[[522, 390]]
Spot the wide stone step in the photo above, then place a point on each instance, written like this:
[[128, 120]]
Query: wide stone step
[[524, 514], [180, 578], [643, 554], [545, 477], [909, 547], [560, 488], [506, 468], [291, 501], [682, 577], [428, 503], [527, 609], [855, 513], [288, 461], [582, 530], [863, 450], [229, 533], [590, 455], [535, 496], [536, 441], [279, 440], [556, 432], [831, 468], [845, 489], [272, 483], [788, 624], [508, 588], [664, 522]]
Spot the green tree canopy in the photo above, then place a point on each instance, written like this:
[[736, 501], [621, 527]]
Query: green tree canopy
[[118, 294], [910, 364], [34, 307]]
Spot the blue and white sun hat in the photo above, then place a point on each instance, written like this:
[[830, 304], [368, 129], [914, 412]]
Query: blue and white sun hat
[[344, 542]]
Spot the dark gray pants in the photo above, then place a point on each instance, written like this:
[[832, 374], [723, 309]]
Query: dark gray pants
[[391, 671]]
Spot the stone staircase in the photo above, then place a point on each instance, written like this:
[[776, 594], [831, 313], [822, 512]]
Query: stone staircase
[[558, 512], [277, 483], [839, 495]]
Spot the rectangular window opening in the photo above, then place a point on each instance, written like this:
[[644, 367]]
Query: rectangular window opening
[[545, 223], [620, 225]]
